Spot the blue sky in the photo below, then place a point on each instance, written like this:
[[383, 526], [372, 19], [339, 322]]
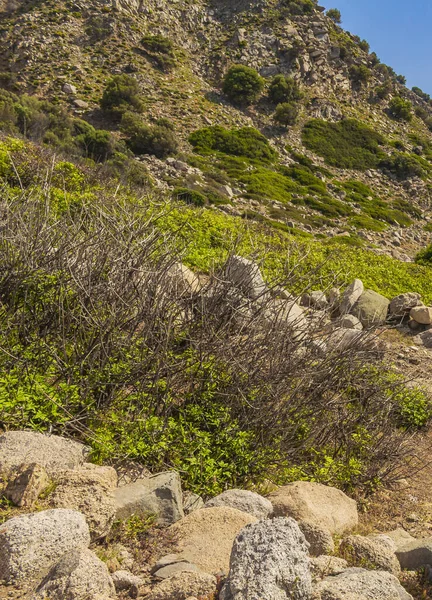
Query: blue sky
[[399, 31]]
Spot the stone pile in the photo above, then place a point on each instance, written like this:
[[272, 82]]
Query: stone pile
[[239, 542]]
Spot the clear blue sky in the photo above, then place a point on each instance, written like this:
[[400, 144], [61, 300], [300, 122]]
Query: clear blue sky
[[399, 31]]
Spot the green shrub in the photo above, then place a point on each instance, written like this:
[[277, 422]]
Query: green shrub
[[360, 73], [383, 91], [364, 45], [421, 94], [348, 144], [335, 15], [243, 85], [424, 257], [284, 89], [161, 50], [159, 140], [189, 196], [121, 93], [299, 7], [402, 165], [400, 109], [401, 79], [246, 141], [96, 144], [286, 113]]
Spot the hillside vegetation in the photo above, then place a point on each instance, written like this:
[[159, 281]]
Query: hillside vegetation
[[144, 137]]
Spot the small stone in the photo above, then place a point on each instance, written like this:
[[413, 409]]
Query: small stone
[[177, 567], [68, 88]]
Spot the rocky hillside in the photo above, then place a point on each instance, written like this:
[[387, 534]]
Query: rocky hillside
[[215, 306], [179, 53]]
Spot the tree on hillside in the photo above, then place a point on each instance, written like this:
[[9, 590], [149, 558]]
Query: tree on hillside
[[335, 15]]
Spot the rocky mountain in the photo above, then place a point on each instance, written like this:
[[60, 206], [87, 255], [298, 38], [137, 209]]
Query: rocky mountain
[[66, 52]]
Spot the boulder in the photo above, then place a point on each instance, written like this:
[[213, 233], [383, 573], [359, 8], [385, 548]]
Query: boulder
[[318, 300], [89, 490], [245, 275], [371, 309], [79, 575], [343, 339], [248, 502], [324, 565], [205, 537], [400, 537], [182, 586], [192, 502], [350, 296], [424, 338], [319, 504], [402, 304], [51, 452], [269, 559], [371, 552], [32, 543], [159, 494], [285, 313], [351, 322], [182, 281], [28, 484], [126, 581], [319, 539], [414, 555], [177, 567], [68, 88], [422, 315], [360, 584]]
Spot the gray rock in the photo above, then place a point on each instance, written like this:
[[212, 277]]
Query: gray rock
[[424, 338], [246, 275], [322, 505], [192, 502], [126, 581], [351, 322], [164, 561], [177, 567], [422, 315], [351, 295], [285, 313], [402, 304], [68, 88], [360, 584], [324, 565], [319, 539], [89, 490], [371, 308], [184, 585], [160, 495], [79, 575], [51, 452], [248, 502], [30, 544], [400, 537], [24, 489], [371, 552], [415, 554], [318, 300], [343, 339], [269, 559]]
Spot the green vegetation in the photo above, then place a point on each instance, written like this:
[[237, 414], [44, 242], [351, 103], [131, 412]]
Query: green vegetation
[[286, 113], [121, 93], [101, 349], [335, 15], [243, 85], [360, 74], [421, 94], [284, 89], [161, 50], [348, 144], [400, 109], [159, 140], [246, 141]]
